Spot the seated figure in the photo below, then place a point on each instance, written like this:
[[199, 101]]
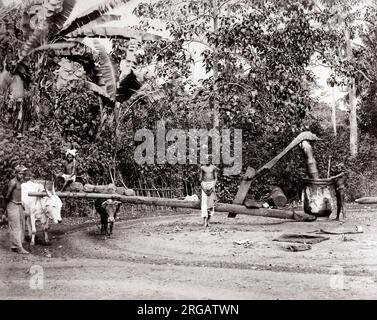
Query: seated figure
[[69, 173]]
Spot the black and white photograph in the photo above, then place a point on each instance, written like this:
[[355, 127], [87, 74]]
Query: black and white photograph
[[214, 151]]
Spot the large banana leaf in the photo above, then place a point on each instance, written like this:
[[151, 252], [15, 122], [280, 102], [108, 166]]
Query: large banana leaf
[[91, 15], [109, 32], [127, 87], [108, 74], [59, 46], [57, 13], [58, 19], [147, 92], [87, 63], [23, 71], [38, 36], [96, 88], [104, 19], [105, 75]]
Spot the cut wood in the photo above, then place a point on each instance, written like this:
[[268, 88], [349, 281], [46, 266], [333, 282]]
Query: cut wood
[[354, 230], [154, 201], [277, 197], [366, 200]]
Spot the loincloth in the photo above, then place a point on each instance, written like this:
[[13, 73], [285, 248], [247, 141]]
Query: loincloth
[[68, 177], [208, 197]]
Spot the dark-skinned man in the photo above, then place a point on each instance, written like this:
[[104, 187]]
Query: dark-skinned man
[[15, 212], [208, 179]]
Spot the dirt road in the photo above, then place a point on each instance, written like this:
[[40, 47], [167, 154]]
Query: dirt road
[[173, 257]]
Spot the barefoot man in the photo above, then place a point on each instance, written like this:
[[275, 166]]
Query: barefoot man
[[15, 212], [208, 179], [69, 174]]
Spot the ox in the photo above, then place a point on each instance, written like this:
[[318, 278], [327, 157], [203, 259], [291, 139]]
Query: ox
[[108, 211], [40, 209]]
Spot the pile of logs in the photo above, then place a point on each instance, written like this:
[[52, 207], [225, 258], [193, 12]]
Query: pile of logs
[[103, 189]]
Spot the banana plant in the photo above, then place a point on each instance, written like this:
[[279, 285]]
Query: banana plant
[[45, 27]]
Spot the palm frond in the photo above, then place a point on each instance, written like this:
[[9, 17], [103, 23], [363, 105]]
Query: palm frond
[[109, 32], [104, 19], [23, 71], [56, 46], [91, 15], [25, 26], [57, 13], [88, 64], [27, 4], [59, 18], [59, 46], [147, 92], [36, 39], [52, 7], [107, 75], [97, 89], [127, 87]]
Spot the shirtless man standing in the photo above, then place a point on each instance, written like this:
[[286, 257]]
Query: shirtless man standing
[[15, 211], [208, 179], [69, 174]]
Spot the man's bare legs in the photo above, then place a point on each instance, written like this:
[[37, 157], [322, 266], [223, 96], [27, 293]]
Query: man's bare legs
[[207, 218]]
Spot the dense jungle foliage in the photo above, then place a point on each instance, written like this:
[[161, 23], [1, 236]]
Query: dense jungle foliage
[[258, 57]]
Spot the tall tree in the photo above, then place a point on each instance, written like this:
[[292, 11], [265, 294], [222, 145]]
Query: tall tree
[[348, 19], [256, 52]]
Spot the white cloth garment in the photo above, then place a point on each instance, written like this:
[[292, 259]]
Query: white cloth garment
[[208, 201]]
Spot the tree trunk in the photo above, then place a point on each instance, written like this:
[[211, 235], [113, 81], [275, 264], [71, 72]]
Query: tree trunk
[[333, 113], [353, 118], [215, 104], [351, 98]]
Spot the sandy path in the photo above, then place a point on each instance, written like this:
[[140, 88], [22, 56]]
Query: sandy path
[[174, 258]]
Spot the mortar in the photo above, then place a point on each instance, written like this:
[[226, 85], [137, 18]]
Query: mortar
[[318, 196]]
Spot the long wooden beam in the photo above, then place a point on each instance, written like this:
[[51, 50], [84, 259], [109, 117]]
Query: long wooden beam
[[154, 201], [366, 200]]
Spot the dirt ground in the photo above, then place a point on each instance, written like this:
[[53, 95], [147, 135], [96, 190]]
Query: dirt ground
[[173, 257]]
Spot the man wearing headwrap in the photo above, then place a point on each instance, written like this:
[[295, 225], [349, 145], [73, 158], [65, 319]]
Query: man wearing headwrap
[[69, 174], [15, 211]]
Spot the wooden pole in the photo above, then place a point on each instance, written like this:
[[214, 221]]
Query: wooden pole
[[153, 201], [366, 200]]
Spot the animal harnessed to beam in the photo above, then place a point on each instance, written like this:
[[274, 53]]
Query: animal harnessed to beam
[[108, 211], [42, 209]]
